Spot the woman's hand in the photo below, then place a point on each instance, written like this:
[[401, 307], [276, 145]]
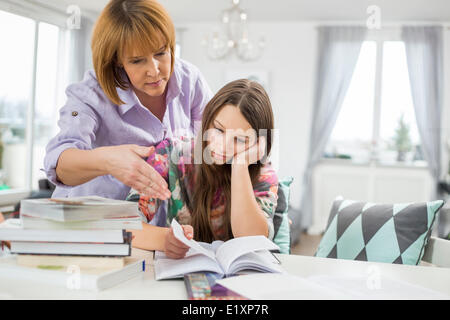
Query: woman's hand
[[174, 248], [126, 164], [252, 154]]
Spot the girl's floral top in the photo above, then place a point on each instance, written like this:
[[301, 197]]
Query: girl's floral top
[[173, 158]]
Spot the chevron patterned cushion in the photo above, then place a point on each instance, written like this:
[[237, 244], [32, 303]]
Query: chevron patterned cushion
[[281, 225], [392, 233]]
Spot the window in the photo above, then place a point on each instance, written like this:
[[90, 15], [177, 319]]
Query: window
[[30, 86], [396, 100], [16, 65], [357, 108], [47, 98], [377, 119]]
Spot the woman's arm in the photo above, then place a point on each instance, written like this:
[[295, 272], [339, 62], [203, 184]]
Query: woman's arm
[[71, 160], [76, 166], [124, 162], [247, 218]]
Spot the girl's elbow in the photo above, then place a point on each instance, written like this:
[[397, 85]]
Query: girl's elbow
[[262, 230]]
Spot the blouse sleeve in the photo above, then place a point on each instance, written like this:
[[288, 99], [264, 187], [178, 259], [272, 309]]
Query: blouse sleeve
[[266, 194], [78, 125]]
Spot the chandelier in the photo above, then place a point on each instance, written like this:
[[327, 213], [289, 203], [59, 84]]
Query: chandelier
[[233, 37]]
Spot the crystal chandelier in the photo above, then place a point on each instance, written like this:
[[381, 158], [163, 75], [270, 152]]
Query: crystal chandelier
[[234, 37]]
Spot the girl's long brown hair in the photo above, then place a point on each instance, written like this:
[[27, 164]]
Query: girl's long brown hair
[[254, 104]]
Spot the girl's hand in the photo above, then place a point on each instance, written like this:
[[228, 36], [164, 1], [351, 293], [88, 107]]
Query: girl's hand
[[252, 154], [174, 248], [125, 163]]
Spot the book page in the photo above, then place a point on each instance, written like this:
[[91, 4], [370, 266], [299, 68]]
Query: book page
[[161, 255], [261, 261], [80, 201], [176, 268], [234, 248], [192, 244], [192, 252]]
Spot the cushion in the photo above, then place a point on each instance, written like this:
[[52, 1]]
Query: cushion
[[281, 220], [391, 233]]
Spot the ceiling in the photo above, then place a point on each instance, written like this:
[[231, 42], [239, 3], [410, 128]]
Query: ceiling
[[293, 10]]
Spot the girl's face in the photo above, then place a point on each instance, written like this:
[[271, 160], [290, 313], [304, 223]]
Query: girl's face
[[229, 134], [149, 74]]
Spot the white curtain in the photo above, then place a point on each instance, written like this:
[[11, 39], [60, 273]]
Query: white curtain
[[75, 58], [424, 53], [339, 48], [80, 57]]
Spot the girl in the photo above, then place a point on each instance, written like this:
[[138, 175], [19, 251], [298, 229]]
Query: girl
[[219, 186]]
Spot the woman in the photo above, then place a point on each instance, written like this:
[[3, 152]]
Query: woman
[[138, 95], [221, 186]]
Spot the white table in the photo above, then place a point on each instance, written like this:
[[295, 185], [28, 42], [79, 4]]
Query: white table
[[144, 286]]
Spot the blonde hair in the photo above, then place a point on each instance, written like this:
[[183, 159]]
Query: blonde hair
[[140, 25]]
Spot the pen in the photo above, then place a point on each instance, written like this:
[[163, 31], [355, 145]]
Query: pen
[[273, 254]]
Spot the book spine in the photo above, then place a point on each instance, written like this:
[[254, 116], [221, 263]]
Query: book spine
[[127, 239], [72, 236], [71, 249], [29, 222]]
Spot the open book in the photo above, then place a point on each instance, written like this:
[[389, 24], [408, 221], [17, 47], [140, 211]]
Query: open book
[[224, 258]]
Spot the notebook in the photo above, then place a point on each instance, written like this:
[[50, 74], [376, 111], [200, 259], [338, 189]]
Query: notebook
[[224, 258]]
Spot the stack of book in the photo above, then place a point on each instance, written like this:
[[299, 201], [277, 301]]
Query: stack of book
[[87, 232]]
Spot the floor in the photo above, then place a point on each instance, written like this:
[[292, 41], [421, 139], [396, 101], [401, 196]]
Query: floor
[[307, 245]]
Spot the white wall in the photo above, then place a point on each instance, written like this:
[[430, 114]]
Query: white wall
[[290, 59]]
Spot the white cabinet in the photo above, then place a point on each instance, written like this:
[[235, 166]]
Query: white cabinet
[[365, 182]]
